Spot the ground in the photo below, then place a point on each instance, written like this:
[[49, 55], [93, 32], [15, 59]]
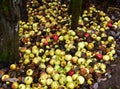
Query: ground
[[114, 81], [114, 67], [111, 78]]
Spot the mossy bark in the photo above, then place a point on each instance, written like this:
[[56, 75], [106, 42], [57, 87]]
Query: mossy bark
[[9, 43], [75, 10]]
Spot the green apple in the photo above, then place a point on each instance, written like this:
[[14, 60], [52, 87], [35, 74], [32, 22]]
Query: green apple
[[69, 79], [49, 69], [29, 72], [68, 57], [4, 77], [21, 86], [70, 85], [28, 80], [81, 79]]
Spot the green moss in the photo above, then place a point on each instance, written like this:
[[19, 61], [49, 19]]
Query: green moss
[[3, 56], [110, 87], [5, 7]]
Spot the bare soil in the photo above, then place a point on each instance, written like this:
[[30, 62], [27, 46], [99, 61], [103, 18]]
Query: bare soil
[[114, 81]]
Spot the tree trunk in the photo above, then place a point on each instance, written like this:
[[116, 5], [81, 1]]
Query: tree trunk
[[76, 11], [23, 10], [9, 42]]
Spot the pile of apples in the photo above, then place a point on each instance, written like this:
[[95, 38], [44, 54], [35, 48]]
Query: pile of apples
[[53, 56]]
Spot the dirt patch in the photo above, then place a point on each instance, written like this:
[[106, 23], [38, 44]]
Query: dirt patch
[[114, 81]]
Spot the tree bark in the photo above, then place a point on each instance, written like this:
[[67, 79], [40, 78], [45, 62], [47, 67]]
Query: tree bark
[[9, 42], [76, 11]]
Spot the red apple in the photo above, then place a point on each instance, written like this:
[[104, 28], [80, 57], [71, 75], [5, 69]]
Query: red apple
[[86, 34], [71, 72], [36, 13], [109, 24], [14, 85], [99, 56], [55, 37], [45, 42]]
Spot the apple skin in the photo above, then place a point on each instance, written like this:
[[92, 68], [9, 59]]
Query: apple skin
[[55, 37], [4, 77], [45, 43], [109, 25], [86, 35], [14, 85], [28, 80], [71, 72], [13, 66], [99, 56], [21, 86], [29, 72]]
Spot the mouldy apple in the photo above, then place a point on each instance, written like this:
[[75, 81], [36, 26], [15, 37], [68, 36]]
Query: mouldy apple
[[83, 71]]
